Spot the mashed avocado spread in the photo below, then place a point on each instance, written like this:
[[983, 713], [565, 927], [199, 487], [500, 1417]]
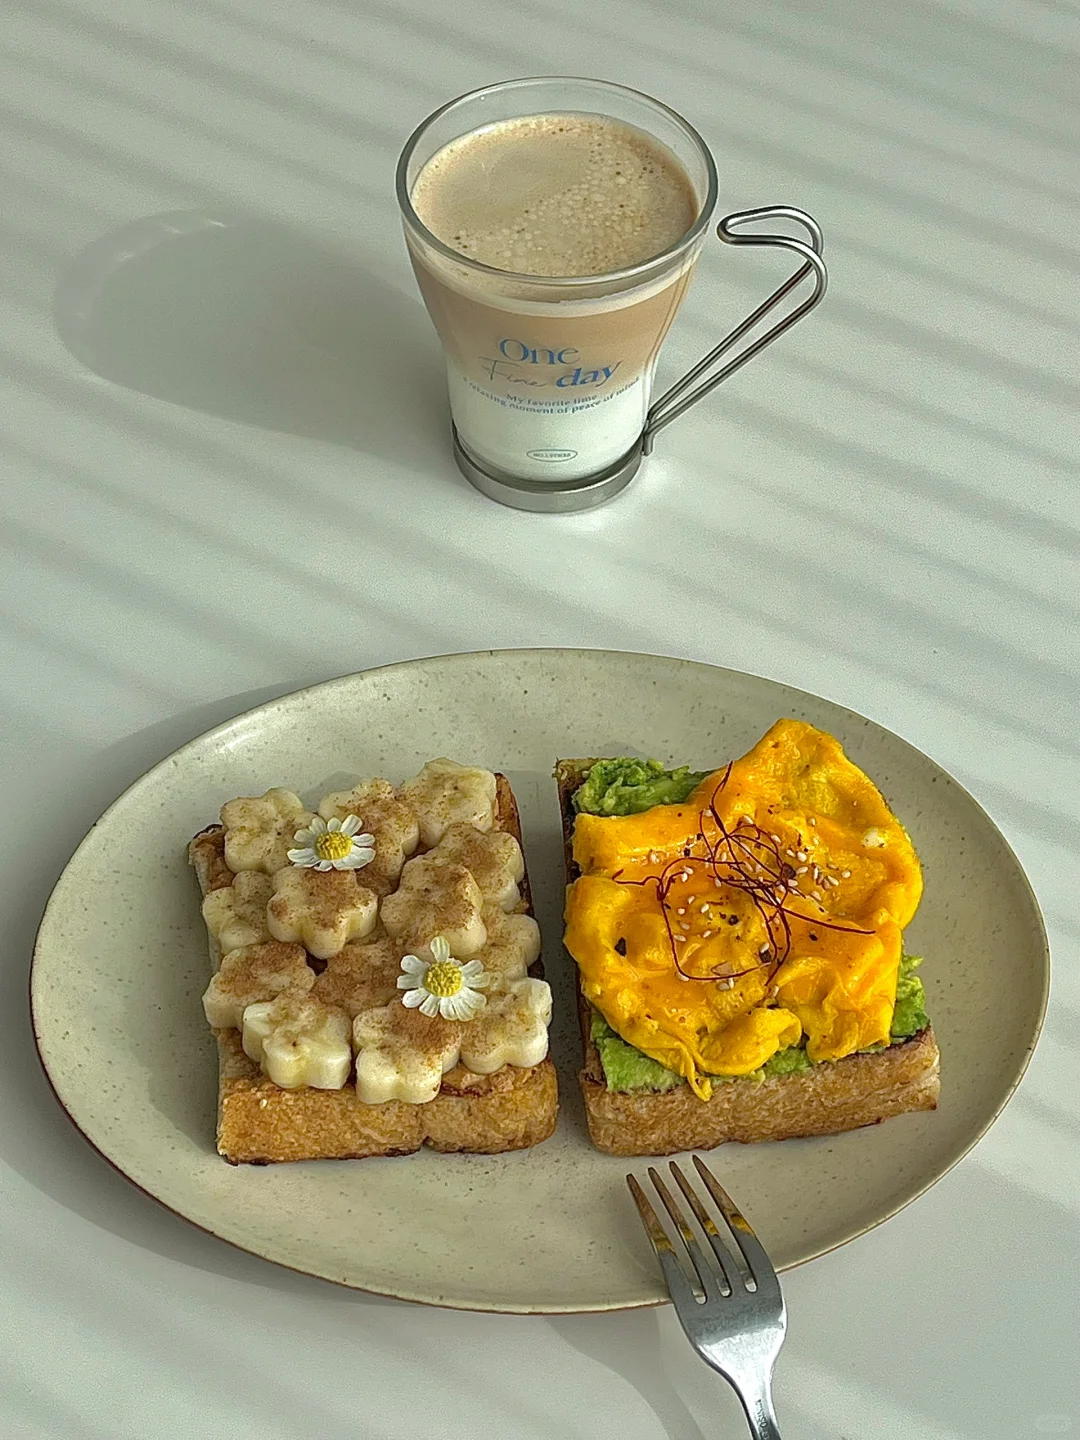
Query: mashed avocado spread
[[626, 1068], [628, 787], [909, 1015]]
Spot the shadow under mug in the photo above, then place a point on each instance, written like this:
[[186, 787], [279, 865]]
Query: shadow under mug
[[550, 378]]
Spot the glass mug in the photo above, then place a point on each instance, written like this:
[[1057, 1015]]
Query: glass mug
[[550, 378]]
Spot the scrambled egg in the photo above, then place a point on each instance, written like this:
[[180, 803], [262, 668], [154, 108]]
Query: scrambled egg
[[851, 883]]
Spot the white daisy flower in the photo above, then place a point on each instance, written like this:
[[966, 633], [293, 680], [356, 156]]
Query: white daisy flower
[[333, 845], [442, 985]]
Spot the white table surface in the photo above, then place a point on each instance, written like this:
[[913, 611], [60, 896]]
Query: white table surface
[[883, 509]]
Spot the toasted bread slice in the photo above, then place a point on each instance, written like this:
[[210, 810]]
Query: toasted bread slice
[[260, 1123], [834, 1096]]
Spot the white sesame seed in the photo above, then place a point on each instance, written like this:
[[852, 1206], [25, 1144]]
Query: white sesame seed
[[680, 939], [775, 839], [263, 1103], [811, 819], [684, 925], [790, 854], [774, 990], [705, 908], [681, 910], [801, 870], [706, 934], [800, 855], [845, 874], [816, 894]]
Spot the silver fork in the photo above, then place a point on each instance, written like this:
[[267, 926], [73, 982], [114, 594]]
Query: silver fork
[[737, 1322]]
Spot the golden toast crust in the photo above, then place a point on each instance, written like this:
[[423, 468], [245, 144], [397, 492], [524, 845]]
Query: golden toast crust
[[260, 1123], [835, 1096]]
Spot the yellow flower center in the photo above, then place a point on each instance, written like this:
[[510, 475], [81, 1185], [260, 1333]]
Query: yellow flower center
[[443, 979], [332, 845]]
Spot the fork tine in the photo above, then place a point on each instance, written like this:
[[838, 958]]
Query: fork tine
[[724, 1258], [679, 1287], [697, 1256], [753, 1252]]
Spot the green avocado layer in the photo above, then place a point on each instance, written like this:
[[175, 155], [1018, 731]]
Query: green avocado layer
[[909, 1016], [627, 787], [626, 1068]]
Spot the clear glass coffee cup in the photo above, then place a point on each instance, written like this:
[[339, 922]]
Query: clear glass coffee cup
[[550, 376]]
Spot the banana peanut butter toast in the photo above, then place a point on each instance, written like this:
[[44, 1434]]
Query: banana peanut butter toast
[[376, 981]]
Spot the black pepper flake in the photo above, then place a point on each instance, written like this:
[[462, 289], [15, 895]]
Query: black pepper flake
[[620, 945], [733, 919], [812, 935]]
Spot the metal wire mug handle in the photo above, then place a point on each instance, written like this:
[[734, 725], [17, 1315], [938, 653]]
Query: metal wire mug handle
[[681, 396]]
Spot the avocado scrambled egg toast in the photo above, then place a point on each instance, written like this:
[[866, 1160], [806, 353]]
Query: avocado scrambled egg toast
[[742, 923]]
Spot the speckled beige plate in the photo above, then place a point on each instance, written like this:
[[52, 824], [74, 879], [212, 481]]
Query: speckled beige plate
[[121, 961]]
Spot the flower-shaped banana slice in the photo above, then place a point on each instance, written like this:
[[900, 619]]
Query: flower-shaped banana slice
[[493, 859], [512, 1029], [403, 1054], [435, 897], [445, 793], [362, 976], [513, 944], [321, 909], [251, 974], [236, 914], [259, 830], [299, 1041], [392, 822]]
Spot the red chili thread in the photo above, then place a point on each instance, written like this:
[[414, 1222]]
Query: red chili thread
[[729, 859]]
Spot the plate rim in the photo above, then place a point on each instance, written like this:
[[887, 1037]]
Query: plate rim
[[222, 728]]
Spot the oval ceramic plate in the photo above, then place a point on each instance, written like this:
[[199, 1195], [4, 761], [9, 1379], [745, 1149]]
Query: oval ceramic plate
[[121, 962]]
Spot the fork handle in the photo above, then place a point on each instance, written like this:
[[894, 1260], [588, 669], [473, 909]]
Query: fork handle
[[760, 1415]]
